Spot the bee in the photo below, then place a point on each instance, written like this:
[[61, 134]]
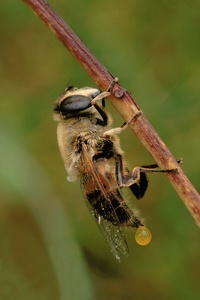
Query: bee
[[91, 152]]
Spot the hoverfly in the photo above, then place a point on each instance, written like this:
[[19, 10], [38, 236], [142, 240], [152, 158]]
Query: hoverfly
[[91, 151]]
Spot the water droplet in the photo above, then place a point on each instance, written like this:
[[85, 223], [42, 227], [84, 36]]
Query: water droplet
[[143, 236]]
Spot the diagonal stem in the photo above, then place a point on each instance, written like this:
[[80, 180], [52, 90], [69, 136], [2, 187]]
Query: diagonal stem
[[124, 103]]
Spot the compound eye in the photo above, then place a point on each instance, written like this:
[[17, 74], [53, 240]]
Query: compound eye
[[75, 104]]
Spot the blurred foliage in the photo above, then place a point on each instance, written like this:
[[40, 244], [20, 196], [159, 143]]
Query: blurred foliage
[[50, 247]]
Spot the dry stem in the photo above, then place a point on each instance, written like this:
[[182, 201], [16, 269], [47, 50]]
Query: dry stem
[[124, 103]]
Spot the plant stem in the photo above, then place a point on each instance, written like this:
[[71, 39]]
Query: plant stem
[[123, 102]]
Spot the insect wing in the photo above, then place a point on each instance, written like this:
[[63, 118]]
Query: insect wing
[[95, 190]]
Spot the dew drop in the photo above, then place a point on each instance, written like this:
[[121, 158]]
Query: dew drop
[[143, 236]]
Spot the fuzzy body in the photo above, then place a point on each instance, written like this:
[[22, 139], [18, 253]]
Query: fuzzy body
[[83, 129], [92, 153]]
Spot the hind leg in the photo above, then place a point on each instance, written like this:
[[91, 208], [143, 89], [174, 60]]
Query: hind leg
[[136, 180]]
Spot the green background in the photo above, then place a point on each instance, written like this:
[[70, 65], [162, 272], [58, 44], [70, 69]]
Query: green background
[[50, 248]]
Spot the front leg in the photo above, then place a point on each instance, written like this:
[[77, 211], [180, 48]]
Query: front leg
[[103, 114]]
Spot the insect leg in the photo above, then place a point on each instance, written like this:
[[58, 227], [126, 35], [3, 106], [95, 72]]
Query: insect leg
[[139, 188], [118, 130], [155, 169], [124, 177], [154, 166], [103, 114], [104, 95], [137, 179], [112, 84], [99, 97]]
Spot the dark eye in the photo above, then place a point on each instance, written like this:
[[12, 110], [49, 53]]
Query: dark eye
[[75, 104]]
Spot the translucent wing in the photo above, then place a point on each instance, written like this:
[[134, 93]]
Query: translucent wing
[[100, 198]]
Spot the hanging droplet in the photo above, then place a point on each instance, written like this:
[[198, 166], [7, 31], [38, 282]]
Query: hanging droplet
[[143, 236]]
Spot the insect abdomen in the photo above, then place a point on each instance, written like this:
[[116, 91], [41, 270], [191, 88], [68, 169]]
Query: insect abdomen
[[112, 208]]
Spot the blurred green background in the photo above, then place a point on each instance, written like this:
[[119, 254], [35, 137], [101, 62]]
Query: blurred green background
[[50, 246]]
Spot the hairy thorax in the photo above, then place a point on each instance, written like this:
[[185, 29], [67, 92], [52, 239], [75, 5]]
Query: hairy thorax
[[70, 143]]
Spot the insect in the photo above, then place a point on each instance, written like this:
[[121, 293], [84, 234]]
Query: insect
[[91, 152]]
